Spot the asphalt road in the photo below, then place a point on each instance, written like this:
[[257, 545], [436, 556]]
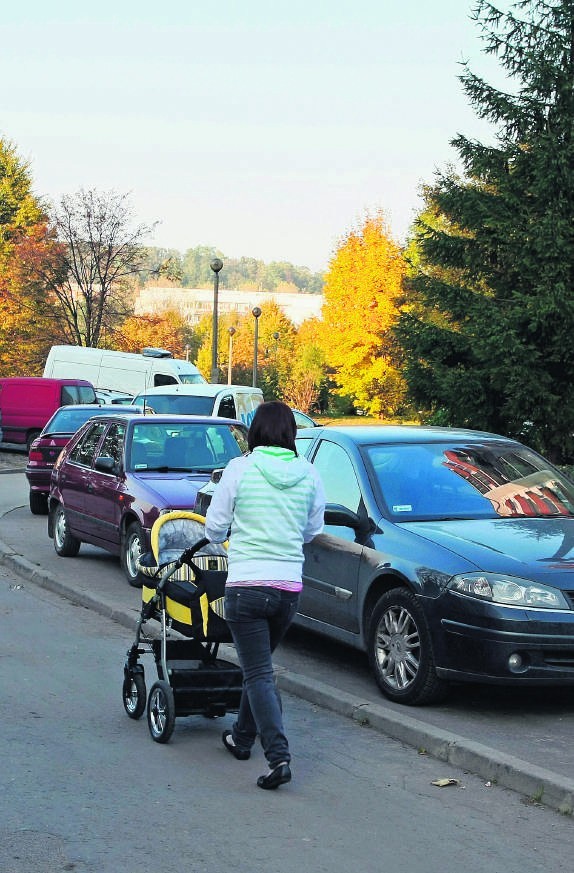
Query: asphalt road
[[85, 789], [517, 738]]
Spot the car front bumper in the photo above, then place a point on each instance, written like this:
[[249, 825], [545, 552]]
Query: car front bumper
[[485, 642]]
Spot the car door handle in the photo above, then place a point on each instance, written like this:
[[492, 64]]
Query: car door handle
[[89, 488]]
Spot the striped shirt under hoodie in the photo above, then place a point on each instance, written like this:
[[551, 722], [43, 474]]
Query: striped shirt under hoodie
[[273, 502]]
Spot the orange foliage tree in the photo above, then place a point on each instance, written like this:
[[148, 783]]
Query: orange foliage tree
[[167, 330], [361, 297], [27, 324]]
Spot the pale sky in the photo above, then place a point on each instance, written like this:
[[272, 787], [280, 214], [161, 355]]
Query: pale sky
[[264, 128]]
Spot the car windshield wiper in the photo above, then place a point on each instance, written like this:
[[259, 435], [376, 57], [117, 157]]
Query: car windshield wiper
[[164, 468]]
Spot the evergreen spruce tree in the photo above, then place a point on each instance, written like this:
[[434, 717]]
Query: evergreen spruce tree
[[488, 327]]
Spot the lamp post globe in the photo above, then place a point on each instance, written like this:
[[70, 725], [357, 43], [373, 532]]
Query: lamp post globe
[[216, 265]]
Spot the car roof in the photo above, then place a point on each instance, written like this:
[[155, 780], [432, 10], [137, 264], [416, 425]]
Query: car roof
[[91, 406], [164, 418], [201, 389], [403, 433]]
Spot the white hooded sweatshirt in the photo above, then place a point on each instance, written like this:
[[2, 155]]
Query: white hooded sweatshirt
[[271, 502]]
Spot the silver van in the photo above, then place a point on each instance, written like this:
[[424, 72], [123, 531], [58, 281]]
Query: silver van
[[223, 401]]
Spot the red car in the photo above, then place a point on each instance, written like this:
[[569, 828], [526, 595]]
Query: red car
[[45, 448], [120, 471]]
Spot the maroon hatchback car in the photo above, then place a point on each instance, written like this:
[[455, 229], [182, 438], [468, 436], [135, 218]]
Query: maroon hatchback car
[[120, 471], [45, 449]]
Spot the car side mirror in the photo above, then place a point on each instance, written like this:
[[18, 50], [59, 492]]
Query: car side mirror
[[337, 514], [105, 464]]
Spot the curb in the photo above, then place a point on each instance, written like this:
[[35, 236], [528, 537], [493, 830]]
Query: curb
[[537, 784]]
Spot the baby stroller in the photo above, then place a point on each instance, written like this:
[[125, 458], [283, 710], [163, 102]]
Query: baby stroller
[[184, 591]]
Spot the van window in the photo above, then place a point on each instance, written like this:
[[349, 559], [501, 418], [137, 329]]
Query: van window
[[227, 407], [192, 379], [160, 379], [77, 394], [247, 404]]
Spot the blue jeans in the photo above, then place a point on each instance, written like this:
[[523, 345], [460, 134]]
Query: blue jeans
[[258, 618]]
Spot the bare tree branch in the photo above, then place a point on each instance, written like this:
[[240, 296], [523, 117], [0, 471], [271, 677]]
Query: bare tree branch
[[101, 249]]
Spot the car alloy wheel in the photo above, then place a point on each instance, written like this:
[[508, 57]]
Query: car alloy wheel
[[132, 548], [400, 650], [66, 545]]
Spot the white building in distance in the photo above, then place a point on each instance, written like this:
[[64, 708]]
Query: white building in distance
[[195, 303]]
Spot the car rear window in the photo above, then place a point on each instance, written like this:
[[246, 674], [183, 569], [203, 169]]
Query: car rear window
[[69, 420]]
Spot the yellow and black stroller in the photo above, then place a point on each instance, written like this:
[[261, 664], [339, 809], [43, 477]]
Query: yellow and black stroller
[[184, 591]]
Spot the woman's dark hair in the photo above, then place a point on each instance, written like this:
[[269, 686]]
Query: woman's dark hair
[[273, 425]]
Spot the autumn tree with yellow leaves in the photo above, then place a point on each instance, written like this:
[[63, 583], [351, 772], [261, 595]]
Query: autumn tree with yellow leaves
[[276, 340], [361, 298]]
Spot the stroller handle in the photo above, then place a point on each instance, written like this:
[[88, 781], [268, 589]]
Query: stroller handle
[[187, 556]]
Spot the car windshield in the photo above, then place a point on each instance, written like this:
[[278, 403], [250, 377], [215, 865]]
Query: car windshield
[[196, 446], [177, 404], [490, 480]]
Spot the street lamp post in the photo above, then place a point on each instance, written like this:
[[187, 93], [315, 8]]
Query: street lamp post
[[256, 313], [231, 331], [216, 266]]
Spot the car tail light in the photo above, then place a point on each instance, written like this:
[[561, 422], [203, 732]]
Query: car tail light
[[35, 455]]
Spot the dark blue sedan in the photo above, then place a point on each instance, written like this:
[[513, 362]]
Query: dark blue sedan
[[448, 555]]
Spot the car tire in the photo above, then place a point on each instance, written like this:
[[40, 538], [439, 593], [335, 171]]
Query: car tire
[[400, 650], [38, 503], [66, 545], [161, 711], [133, 544]]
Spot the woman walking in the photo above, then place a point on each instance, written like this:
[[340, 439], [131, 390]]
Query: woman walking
[[270, 502]]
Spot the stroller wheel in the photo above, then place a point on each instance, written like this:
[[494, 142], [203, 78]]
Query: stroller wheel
[[161, 711], [134, 695]]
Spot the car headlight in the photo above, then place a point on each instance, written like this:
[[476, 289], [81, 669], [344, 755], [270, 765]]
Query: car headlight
[[498, 588]]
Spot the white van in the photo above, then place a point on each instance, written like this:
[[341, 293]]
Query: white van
[[224, 401], [120, 371]]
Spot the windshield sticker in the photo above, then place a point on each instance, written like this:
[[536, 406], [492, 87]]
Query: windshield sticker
[[403, 507]]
